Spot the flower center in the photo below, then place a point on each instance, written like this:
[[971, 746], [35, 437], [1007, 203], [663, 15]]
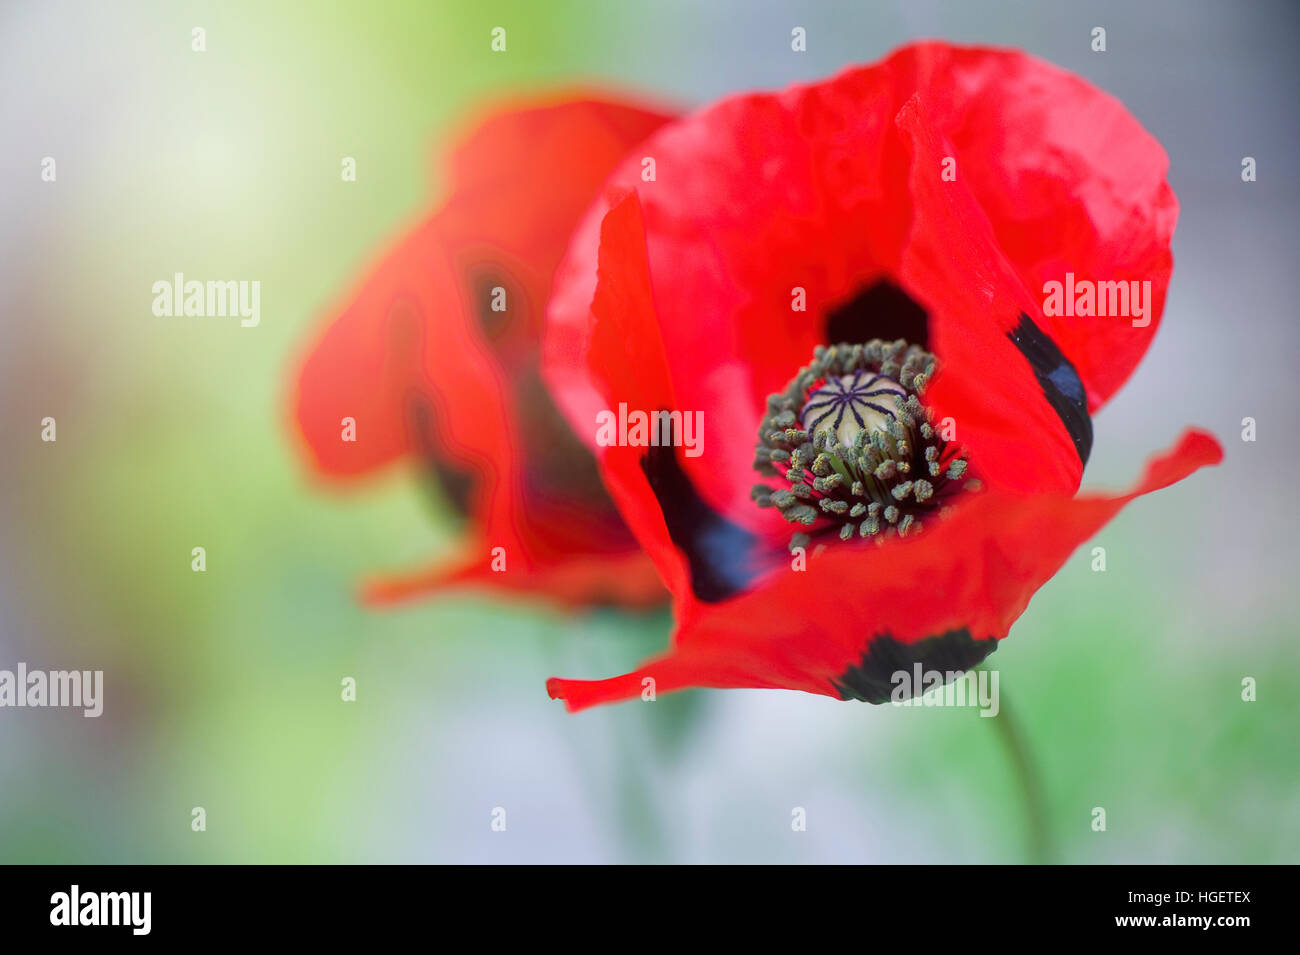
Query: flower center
[[860, 451], [848, 404]]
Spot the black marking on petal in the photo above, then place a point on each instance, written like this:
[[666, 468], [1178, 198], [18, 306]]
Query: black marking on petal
[[881, 310], [720, 553], [872, 679], [1061, 384], [445, 479]]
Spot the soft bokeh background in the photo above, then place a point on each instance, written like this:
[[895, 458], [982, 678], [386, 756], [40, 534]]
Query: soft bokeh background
[[223, 687]]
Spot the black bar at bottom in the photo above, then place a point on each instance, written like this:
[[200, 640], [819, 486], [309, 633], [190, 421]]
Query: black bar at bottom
[[335, 903]]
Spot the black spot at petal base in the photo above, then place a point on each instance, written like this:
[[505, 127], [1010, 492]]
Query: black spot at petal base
[[719, 553], [1061, 384], [881, 310], [872, 678]]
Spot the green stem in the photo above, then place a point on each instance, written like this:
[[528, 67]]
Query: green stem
[[1011, 733]]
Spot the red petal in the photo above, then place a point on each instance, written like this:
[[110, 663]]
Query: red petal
[[627, 359], [405, 362], [367, 362], [817, 188], [951, 262], [1069, 180], [578, 580], [974, 571], [429, 373]]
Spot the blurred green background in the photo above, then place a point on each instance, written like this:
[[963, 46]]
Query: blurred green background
[[222, 688]]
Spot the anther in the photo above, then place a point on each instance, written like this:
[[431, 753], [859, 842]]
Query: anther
[[857, 445]]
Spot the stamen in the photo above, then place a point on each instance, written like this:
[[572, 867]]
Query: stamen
[[857, 445]]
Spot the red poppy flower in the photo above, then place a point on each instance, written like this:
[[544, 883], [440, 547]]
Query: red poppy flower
[[434, 359], [915, 209]]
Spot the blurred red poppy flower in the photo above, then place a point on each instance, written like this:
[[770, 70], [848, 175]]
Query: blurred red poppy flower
[[907, 213], [434, 360]]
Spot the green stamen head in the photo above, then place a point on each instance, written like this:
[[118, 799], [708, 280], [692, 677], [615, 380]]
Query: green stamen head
[[857, 446]]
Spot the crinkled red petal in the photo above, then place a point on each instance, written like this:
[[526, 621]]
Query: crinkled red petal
[[973, 573]]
